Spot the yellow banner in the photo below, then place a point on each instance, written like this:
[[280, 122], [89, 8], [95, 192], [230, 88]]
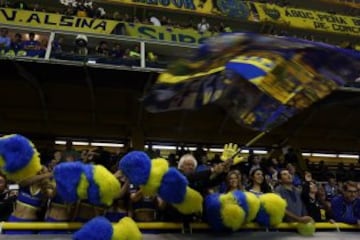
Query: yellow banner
[[55, 21], [230, 8], [164, 33], [308, 19]]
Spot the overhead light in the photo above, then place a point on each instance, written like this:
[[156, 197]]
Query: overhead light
[[92, 61], [352, 156], [191, 148], [58, 142], [260, 152], [324, 155], [99, 144], [216, 149], [244, 151], [306, 154], [162, 147], [75, 143]]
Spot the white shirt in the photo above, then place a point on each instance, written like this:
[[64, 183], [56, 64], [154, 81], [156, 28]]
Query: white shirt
[[155, 21]]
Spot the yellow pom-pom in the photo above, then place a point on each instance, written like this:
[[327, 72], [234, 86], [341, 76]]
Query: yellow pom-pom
[[253, 205], [233, 216], [126, 229], [227, 198], [306, 229], [275, 206], [109, 186], [82, 187], [192, 202], [159, 167]]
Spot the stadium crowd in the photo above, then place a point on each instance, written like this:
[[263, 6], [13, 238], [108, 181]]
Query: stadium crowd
[[335, 199]]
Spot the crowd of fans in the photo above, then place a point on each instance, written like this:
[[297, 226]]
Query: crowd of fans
[[334, 200], [18, 46]]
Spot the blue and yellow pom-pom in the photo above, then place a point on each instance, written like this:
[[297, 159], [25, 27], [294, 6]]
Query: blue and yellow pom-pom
[[136, 165], [19, 159], [226, 211], [71, 181], [155, 177], [77, 181], [100, 228], [272, 209]]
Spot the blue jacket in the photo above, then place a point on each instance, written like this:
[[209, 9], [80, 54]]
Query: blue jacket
[[338, 206]]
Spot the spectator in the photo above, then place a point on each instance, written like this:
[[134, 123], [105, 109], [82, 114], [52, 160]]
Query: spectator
[[102, 49], [346, 207], [135, 52], [291, 157], [296, 178], [56, 46], [5, 41], [144, 208], [20, 5], [97, 12], [257, 184], [201, 181], [254, 161], [233, 181], [81, 42], [331, 188], [295, 210], [203, 26], [57, 159], [341, 173], [17, 45], [310, 198], [31, 44], [155, 21]]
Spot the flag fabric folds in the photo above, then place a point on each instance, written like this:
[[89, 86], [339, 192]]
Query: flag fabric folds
[[262, 81]]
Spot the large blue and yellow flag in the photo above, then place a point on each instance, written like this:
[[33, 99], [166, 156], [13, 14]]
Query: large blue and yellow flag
[[261, 80]]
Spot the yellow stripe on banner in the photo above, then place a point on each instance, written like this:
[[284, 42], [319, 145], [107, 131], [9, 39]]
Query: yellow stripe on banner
[[168, 78], [163, 226]]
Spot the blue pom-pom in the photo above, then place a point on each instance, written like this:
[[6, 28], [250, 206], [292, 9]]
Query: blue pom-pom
[[241, 200], [17, 152], [67, 177], [98, 228], [173, 186], [136, 166], [262, 217], [212, 212], [93, 189]]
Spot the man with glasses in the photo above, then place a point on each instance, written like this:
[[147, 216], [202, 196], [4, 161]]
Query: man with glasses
[[346, 207]]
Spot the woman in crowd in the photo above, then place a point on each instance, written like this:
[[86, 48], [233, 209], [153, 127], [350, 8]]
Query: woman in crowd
[[257, 183], [311, 201], [234, 181]]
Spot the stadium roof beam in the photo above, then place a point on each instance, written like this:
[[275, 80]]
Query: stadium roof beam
[[90, 86], [33, 81]]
